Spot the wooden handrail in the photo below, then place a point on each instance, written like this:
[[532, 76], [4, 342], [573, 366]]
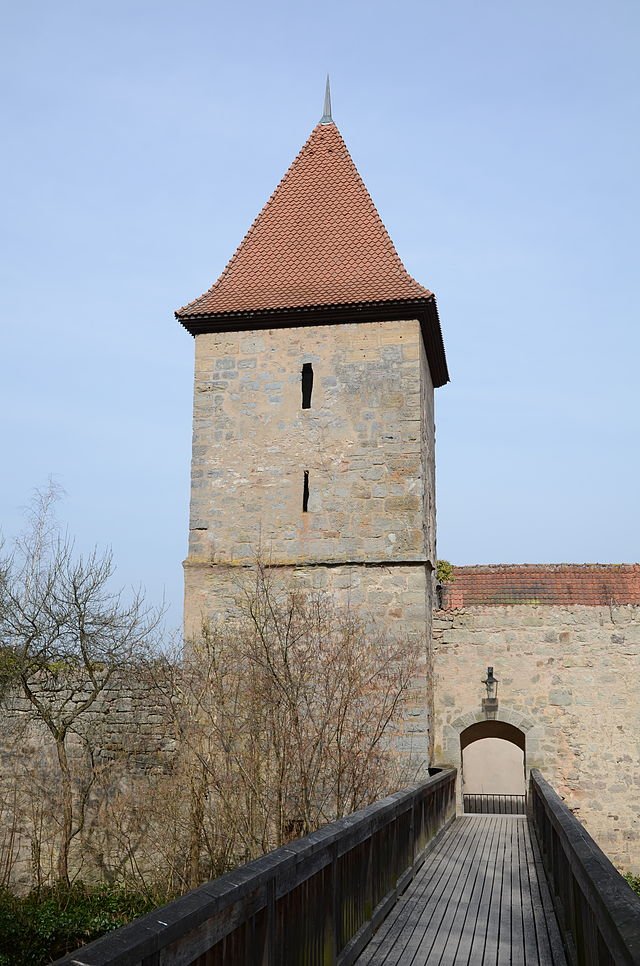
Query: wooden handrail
[[598, 913], [317, 900]]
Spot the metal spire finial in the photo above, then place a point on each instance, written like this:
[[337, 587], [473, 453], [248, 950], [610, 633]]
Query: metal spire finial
[[326, 117]]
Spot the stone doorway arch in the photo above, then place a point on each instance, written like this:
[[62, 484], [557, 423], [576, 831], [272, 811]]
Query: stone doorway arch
[[518, 731], [492, 773]]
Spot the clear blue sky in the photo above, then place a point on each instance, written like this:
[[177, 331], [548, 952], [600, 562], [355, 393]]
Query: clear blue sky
[[500, 142]]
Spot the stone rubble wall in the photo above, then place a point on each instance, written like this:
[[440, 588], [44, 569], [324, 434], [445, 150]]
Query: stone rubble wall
[[367, 444], [569, 677], [364, 442], [130, 733], [396, 599]]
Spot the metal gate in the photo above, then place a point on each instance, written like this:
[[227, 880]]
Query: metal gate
[[495, 804]]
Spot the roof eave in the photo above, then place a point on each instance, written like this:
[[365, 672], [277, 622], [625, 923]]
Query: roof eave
[[424, 309]]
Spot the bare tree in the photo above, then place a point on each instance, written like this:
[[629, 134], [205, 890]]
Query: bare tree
[[286, 717], [64, 634]]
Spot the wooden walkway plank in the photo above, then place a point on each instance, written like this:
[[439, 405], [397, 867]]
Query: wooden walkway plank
[[464, 925], [480, 899], [439, 898], [528, 921], [492, 880], [474, 928], [422, 919], [435, 935], [453, 915], [517, 913], [384, 947], [491, 946], [506, 902], [417, 915], [410, 904], [548, 921]]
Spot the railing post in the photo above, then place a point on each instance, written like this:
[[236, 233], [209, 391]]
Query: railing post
[[412, 836], [269, 953], [335, 907]]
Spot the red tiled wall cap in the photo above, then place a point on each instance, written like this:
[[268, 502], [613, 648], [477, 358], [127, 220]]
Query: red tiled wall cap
[[503, 584]]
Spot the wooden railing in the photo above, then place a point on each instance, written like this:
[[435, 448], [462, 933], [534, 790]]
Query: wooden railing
[[315, 901], [598, 913]]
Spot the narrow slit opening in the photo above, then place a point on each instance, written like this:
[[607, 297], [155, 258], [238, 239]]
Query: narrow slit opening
[[307, 385], [305, 492]]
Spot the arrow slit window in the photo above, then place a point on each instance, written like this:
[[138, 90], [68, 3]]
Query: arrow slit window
[[307, 385], [305, 492]]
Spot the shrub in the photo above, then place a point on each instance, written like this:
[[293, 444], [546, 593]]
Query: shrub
[[444, 572], [40, 927], [634, 882]]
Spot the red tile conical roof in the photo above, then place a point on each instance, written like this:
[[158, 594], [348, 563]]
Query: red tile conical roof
[[318, 241], [317, 245]]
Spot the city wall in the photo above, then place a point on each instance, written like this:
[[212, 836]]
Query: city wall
[[564, 643], [118, 752], [567, 662]]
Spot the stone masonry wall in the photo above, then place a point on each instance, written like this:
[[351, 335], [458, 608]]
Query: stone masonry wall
[[131, 737], [395, 598], [361, 443], [428, 443], [568, 677], [367, 444]]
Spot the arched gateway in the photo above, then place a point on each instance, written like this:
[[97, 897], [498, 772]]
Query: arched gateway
[[493, 758]]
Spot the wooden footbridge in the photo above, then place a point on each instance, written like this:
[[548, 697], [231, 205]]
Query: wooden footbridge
[[481, 898], [404, 881]]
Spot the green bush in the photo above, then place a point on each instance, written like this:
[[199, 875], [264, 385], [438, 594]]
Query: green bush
[[39, 928], [444, 572], [634, 882]]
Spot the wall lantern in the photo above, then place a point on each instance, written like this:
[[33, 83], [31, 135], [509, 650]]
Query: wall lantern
[[490, 703]]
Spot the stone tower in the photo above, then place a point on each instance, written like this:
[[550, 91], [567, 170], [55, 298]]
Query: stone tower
[[313, 434]]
